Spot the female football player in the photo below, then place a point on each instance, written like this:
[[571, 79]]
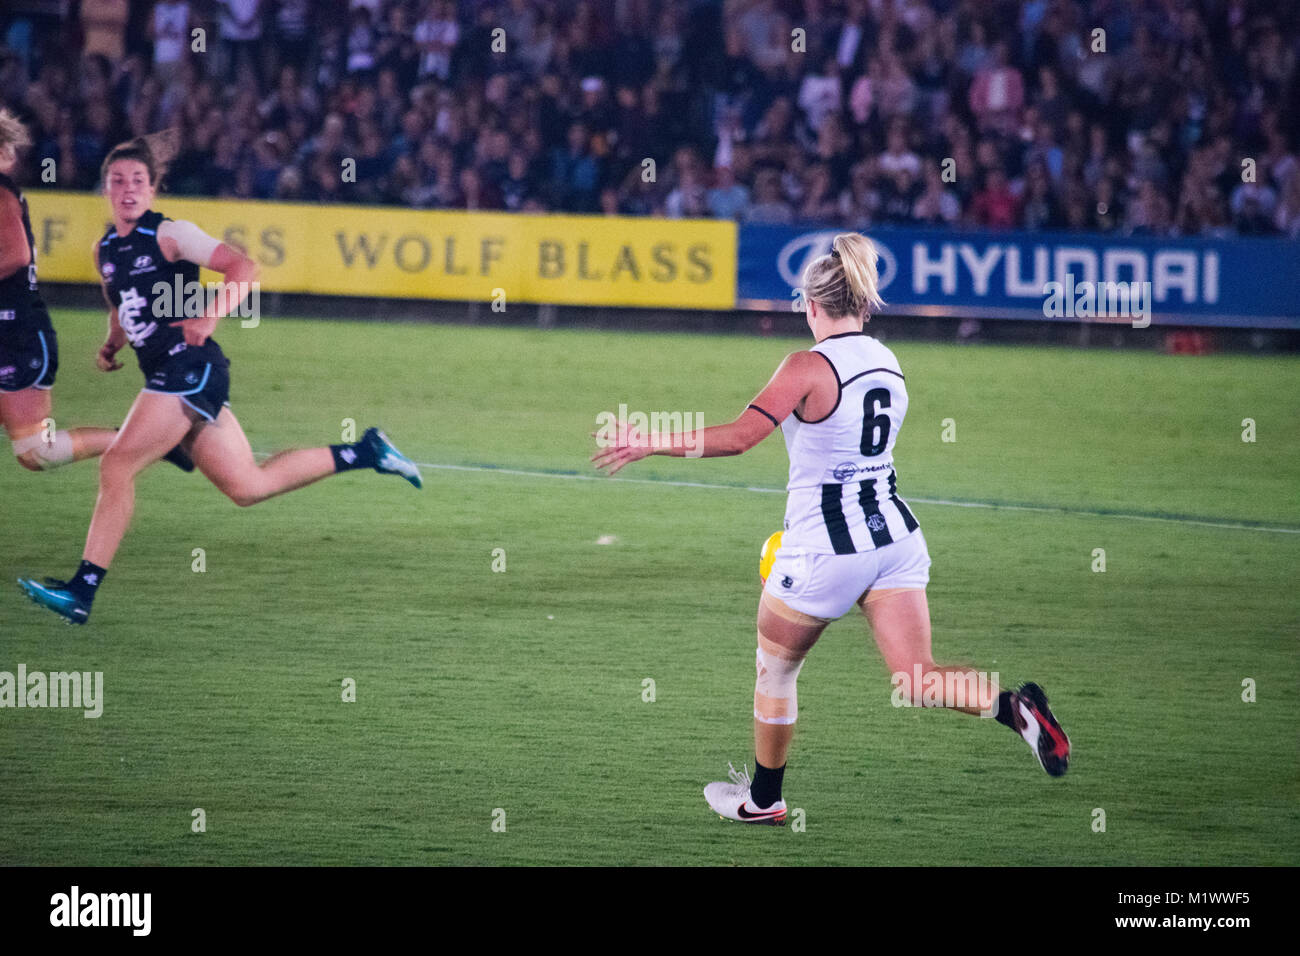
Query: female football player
[[143, 260], [29, 351], [849, 540]]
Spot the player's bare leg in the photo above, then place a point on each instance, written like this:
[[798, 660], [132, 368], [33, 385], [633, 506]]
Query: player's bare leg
[[155, 424], [221, 451], [785, 636], [25, 415], [900, 621]]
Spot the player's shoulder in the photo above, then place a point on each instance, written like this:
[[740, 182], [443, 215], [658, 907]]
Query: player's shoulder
[[149, 222], [879, 355]]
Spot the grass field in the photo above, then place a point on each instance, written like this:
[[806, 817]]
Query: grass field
[[523, 690]]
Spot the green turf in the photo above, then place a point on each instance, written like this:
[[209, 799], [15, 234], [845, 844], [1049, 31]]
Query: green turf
[[523, 690]]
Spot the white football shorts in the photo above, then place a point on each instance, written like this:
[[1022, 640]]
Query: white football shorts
[[830, 585]]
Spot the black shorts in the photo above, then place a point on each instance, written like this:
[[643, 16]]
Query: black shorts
[[204, 386], [31, 362]]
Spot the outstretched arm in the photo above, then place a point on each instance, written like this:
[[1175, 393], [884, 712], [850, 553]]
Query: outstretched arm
[[790, 384]]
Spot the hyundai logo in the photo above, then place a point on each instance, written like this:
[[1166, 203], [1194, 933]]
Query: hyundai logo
[[796, 254]]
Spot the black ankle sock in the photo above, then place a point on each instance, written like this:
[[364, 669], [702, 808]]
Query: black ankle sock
[[359, 454], [765, 789], [1006, 712], [86, 581]]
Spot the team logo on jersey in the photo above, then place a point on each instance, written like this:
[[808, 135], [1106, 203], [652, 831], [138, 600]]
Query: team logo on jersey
[[845, 471], [107, 269], [876, 523]]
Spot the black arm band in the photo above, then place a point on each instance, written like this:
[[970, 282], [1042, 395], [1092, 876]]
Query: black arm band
[[768, 414]]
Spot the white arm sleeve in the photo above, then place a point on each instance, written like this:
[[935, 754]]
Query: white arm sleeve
[[191, 242]]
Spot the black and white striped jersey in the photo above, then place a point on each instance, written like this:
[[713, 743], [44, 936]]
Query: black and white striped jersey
[[842, 489]]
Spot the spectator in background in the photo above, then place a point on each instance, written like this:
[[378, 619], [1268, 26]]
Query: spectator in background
[[1287, 217], [169, 29], [435, 37], [937, 205], [575, 174], [361, 41], [859, 200], [995, 206], [293, 32], [997, 93], [727, 199], [104, 25], [240, 31], [769, 204]]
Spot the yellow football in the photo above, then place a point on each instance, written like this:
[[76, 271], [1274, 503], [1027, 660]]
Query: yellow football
[[768, 555]]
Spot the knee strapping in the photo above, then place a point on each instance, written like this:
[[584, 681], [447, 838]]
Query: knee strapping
[[45, 454], [776, 696]]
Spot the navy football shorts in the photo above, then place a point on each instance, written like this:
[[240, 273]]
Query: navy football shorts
[[32, 363], [204, 386]]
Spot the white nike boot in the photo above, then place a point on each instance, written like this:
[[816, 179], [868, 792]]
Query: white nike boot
[[731, 801]]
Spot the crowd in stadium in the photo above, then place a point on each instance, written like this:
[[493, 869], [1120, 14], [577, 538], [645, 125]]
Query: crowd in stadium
[[1002, 114]]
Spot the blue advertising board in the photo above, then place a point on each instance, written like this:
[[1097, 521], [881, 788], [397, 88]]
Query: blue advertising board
[[1247, 283]]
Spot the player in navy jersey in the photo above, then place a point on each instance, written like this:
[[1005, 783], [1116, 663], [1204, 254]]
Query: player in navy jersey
[[29, 350], [849, 539], [142, 260]]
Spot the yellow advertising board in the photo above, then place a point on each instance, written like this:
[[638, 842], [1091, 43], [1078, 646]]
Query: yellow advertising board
[[405, 253]]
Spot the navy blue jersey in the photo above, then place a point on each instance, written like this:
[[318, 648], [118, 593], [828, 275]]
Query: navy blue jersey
[[143, 285], [22, 311]]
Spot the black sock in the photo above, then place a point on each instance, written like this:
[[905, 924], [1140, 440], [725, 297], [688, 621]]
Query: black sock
[[765, 789], [1006, 714], [359, 454], [86, 581]]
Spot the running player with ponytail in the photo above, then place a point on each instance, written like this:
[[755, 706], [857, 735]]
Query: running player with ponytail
[[29, 350], [142, 256], [849, 540]]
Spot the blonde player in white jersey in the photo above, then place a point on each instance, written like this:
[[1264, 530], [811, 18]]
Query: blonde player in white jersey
[[849, 540]]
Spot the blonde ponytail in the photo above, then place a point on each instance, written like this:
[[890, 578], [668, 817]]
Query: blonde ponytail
[[846, 283]]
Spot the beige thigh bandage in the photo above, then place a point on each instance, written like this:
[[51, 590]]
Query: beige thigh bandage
[[776, 698], [785, 611]]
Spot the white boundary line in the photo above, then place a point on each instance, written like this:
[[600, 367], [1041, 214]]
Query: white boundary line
[[1082, 512], [992, 506]]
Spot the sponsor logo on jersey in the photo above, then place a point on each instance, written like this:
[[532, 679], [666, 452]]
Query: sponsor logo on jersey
[[34, 363], [787, 582], [845, 471], [142, 264], [8, 371], [191, 378], [8, 315], [176, 349], [107, 269], [348, 455]]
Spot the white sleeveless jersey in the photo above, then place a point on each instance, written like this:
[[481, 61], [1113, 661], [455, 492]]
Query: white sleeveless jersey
[[842, 494]]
